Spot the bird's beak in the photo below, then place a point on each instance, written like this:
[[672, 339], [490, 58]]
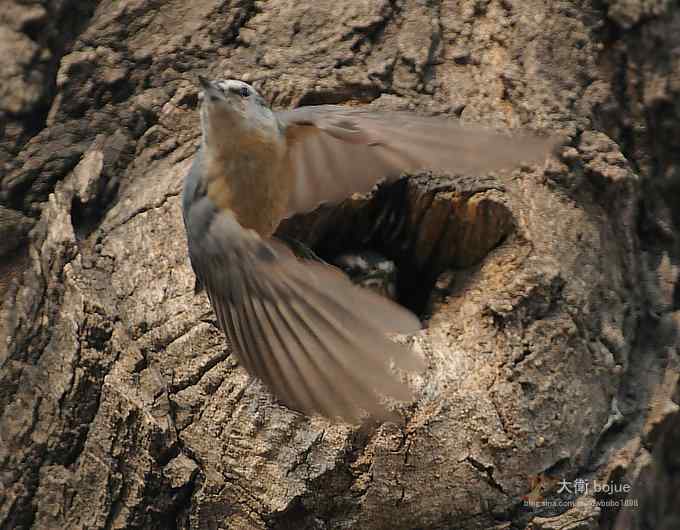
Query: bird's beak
[[208, 88], [204, 82]]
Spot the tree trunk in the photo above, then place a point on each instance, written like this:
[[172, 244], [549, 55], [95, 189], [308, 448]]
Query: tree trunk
[[551, 293]]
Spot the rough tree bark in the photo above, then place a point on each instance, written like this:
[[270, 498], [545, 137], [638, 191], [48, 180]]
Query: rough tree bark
[[551, 293]]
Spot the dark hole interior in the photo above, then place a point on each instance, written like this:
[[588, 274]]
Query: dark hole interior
[[424, 225]]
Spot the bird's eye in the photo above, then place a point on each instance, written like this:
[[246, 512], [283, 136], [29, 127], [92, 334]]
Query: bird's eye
[[244, 92]]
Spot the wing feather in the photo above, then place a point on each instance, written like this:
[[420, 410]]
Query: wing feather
[[311, 340], [336, 151], [314, 339], [281, 385], [305, 351]]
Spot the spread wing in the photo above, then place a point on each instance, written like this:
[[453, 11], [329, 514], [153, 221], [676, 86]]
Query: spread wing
[[337, 151], [314, 339]]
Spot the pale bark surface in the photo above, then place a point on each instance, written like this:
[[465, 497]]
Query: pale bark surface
[[551, 293]]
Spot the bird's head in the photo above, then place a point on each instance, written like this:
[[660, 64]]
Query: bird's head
[[231, 106]]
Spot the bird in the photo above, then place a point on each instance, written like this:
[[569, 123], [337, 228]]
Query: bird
[[371, 270], [318, 343]]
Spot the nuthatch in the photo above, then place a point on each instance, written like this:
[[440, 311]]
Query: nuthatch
[[370, 270], [317, 341]]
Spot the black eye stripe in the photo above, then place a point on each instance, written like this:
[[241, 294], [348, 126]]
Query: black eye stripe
[[242, 91]]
